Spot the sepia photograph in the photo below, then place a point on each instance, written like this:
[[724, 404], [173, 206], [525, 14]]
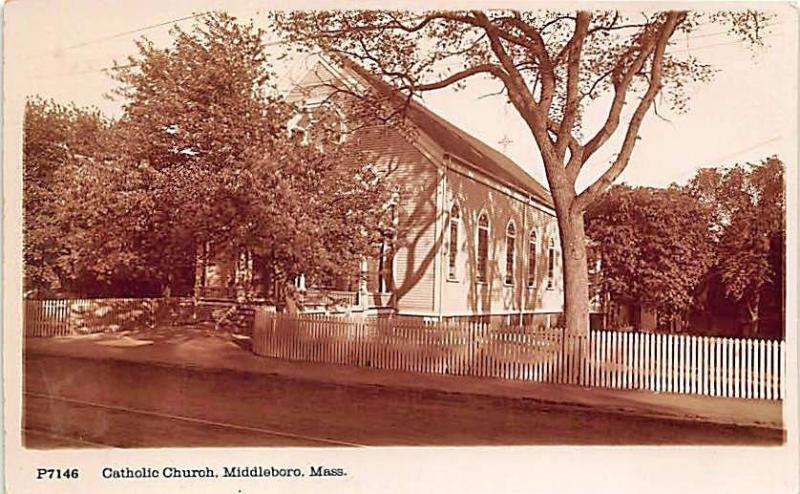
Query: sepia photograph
[[245, 226]]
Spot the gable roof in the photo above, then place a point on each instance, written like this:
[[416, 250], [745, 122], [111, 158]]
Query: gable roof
[[458, 143]]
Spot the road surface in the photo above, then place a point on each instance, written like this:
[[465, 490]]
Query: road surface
[[89, 403]]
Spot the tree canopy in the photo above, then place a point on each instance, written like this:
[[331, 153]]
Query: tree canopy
[[76, 201], [653, 244], [551, 65], [202, 153], [715, 245], [749, 231]]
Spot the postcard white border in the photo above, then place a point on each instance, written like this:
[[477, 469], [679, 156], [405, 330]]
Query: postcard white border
[[579, 469]]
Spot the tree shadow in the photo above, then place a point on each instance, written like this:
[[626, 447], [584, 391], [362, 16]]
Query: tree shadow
[[102, 315]]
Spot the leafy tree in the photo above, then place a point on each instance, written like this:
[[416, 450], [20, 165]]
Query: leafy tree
[[202, 153], [204, 123], [82, 206], [749, 231], [654, 245], [60, 143], [312, 213], [45, 147], [191, 112], [552, 65]]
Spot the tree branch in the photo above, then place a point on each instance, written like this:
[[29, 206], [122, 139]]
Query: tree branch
[[596, 83], [556, 21], [622, 79], [520, 95], [575, 47], [632, 134], [478, 69], [575, 149], [547, 69]]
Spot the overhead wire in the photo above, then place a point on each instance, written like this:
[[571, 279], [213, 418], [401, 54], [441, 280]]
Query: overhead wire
[[724, 157], [121, 34], [58, 52]]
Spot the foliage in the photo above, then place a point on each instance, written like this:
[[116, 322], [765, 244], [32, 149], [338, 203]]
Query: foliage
[[204, 116], [653, 244], [202, 153], [749, 228], [550, 65], [69, 185], [205, 99]]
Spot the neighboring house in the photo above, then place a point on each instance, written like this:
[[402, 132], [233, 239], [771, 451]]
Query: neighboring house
[[606, 312], [622, 315], [476, 235]]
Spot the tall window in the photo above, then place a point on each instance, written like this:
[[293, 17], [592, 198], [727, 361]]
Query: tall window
[[386, 253], [551, 259], [511, 239], [455, 218], [532, 248], [384, 266], [483, 246]]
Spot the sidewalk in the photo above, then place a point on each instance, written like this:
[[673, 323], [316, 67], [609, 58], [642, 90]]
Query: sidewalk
[[203, 349]]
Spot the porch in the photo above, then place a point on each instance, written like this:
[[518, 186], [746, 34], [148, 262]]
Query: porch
[[220, 278], [314, 299]]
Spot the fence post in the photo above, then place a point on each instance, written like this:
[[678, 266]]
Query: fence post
[[152, 304]]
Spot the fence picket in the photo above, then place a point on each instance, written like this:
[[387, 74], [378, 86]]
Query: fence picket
[[782, 354], [760, 371], [753, 369], [663, 362], [728, 362], [609, 361], [602, 351], [631, 356], [624, 360], [716, 367], [680, 363], [709, 350], [737, 362], [644, 340], [775, 370], [722, 369], [745, 362]]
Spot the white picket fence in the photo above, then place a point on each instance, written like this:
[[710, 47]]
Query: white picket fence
[[63, 317], [644, 361], [731, 367]]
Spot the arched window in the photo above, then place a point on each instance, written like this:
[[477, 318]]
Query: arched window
[[532, 249], [551, 259], [511, 240], [452, 253], [386, 254], [483, 247]]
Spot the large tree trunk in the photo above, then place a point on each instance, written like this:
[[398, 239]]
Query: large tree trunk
[[576, 275]]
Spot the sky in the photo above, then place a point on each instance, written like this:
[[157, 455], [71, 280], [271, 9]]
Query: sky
[[58, 49]]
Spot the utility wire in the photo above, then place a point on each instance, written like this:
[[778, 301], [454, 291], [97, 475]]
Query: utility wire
[[59, 51], [128, 33], [727, 32], [708, 163], [275, 43], [134, 31], [112, 67], [713, 45]]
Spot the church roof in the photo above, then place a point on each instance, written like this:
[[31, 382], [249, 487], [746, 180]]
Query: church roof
[[461, 144]]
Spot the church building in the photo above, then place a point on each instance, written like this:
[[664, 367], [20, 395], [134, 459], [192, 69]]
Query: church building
[[476, 236]]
